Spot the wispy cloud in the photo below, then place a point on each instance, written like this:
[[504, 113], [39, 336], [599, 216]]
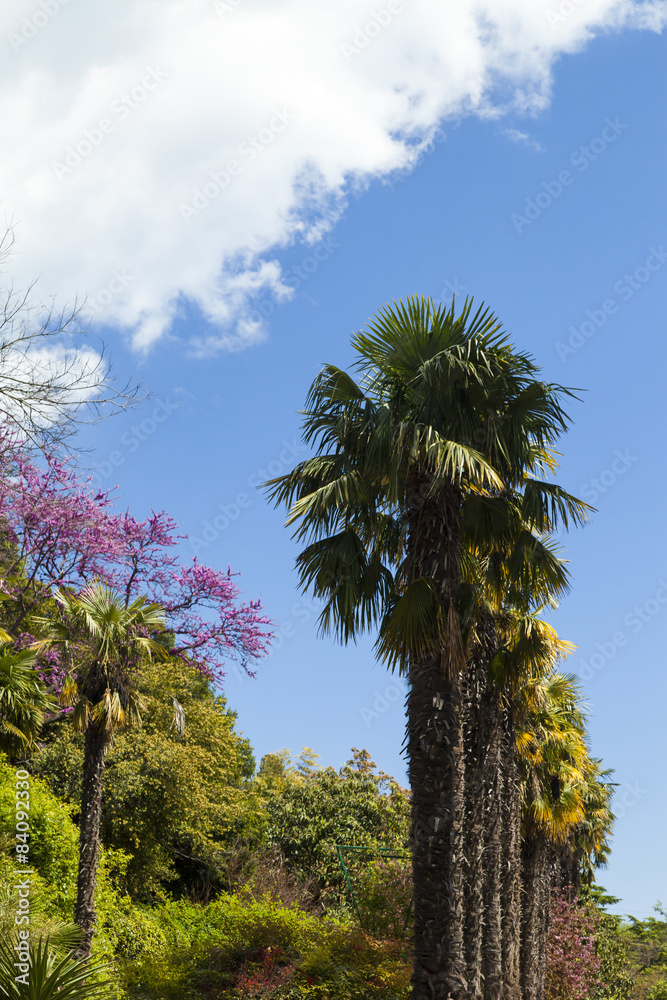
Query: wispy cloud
[[523, 138]]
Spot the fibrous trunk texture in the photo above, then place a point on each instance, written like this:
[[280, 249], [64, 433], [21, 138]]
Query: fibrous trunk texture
[[536, 864], [567, 871], [96, 741], [511, 860], [494, 786], [474, 832], [434, 741]]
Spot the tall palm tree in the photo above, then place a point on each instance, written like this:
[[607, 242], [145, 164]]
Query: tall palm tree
[[447, 419], [557, 771], [516, 647], [103, 639]]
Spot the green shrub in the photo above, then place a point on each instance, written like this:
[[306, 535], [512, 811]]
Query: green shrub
[[383, 890], [240, 948]]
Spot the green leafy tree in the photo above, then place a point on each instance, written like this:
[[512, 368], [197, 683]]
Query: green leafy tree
[[174, 801], [356, 805], [646, 941], [23, 700]]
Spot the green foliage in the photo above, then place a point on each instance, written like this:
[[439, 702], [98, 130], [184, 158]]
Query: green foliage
[[238, 948], [646, 941], [49, 971], [23, 700], [174, 803], [616, 980], [357, 806], [53, 851], [53, 861], [383, 890]]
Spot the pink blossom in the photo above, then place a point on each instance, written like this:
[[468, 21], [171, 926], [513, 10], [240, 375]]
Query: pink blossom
[[573, 966], [64, 532]]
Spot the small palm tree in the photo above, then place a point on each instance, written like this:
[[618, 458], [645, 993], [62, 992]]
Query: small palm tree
[[103, 640], [23, 700], [52, 972]]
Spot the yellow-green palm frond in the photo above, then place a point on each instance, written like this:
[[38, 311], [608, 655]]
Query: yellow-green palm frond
[[81, 715], [103, 635], [69, 693]]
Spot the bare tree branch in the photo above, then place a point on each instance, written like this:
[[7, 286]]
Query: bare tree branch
[[50, 383]]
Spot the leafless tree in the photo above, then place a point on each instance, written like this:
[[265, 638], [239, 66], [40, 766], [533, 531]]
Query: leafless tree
[[51, 381]]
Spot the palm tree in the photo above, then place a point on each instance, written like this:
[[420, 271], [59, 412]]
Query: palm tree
[[557, 771], [513, 571], [511, 648], [23, 700], [447, 432], [52, 971], [103, 639]]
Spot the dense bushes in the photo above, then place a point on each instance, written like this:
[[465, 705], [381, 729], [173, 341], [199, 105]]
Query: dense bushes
[[239, 947], [586, 955]]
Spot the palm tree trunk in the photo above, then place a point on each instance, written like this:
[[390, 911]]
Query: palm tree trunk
[[567, 871], [536, 891], [435, 747], [434, 740], [511, 868], [96, 742], [493, 938], [474, 832]]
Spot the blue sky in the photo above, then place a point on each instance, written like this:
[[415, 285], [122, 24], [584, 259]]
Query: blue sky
[[557, 220]]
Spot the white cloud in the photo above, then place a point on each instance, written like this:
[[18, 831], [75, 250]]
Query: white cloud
[[120, 122], [523, 138]]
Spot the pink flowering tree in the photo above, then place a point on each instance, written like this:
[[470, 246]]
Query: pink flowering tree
[[60, 531], [573, 966], [209, 622]]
